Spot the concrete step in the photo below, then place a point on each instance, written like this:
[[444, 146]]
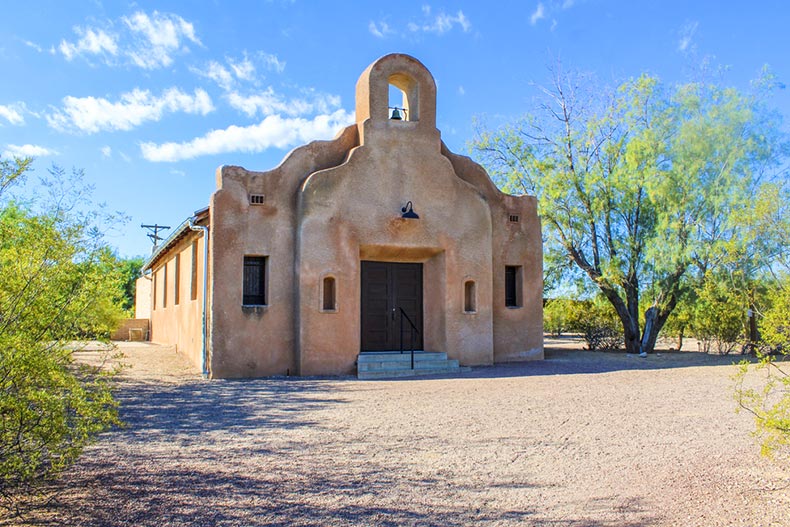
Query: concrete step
[[435, 364], [395, 356], [399, 374], [384, 365]]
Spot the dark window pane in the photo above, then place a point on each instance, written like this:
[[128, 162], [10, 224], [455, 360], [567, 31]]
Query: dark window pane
[[511, 299], [254, 280], [329, 293]]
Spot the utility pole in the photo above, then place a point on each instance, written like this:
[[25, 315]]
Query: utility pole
[[154, 234]]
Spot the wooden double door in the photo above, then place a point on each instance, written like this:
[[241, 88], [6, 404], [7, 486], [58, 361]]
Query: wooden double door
[[388, 287]]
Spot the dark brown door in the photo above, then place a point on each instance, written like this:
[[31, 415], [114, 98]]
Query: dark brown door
[[387, 288]]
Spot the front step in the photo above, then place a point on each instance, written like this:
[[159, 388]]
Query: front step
[[388, 364]]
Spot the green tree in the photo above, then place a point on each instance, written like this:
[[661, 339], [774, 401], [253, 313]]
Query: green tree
[[638, 187], [130, 270], [56, 284]]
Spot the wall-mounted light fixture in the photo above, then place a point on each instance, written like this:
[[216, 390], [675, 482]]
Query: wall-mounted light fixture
[[408, 212]]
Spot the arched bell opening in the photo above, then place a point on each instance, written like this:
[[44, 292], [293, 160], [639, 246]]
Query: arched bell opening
[[403, 98]]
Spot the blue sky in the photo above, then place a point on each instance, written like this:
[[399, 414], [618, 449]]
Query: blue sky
[[149, 98]]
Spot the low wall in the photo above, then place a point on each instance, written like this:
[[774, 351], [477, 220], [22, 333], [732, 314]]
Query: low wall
[[132, 329]]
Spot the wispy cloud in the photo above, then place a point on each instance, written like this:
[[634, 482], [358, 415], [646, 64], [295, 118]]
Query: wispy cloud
[[28, 151], [687, 35], [438, 23], [91, 42], [33, 45], [216, 72], [268, 102], [147, 41], [538, 14], [380, 29], [13, 113], [157, 37], [93, 114], [234, 71], [272, 132], [272, 62], [106, 151]]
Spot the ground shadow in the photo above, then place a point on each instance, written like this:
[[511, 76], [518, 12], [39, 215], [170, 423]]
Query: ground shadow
[[182, 458]]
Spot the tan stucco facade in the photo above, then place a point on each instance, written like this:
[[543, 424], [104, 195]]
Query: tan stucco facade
[[329, 207]]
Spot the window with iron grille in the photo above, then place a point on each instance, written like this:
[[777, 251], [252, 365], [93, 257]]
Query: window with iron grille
[[254, 281], [257, 199]]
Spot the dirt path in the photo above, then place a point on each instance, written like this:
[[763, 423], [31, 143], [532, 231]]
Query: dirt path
[[579, 439]]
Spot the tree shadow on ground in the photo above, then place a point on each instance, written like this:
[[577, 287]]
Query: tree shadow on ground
[[215, 496], [570, 362], [210, 454]]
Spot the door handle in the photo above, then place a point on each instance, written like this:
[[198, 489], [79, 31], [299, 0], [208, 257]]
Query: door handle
[[393, 313]]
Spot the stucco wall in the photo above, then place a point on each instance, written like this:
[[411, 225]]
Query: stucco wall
[[179, 324], [518, 332], [142, 298], [257, 341]]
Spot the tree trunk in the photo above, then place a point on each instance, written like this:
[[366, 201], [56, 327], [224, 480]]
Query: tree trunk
[[651, 330]]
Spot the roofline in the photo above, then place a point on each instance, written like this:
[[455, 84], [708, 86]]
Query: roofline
[[174, 237]]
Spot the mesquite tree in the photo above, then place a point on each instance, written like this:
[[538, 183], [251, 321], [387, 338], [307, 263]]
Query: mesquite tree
[[637, 186]]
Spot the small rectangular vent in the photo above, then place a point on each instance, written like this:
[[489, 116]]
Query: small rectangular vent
[[257, 199], [514, 218]]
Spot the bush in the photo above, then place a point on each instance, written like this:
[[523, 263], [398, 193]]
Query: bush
[[596, 321], [719, 316], [57, 283], [556, 316]]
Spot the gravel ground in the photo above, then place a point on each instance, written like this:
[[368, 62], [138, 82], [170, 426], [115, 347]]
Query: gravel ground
[[580, 439]]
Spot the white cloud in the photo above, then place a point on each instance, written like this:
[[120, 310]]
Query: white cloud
[[147, 41], [227, 76], [567, 4], [272, 62], [91, 41], [13, 113], [268, 102], [158, 37], [216, 72], [92, 114], [539, 13], [245, 69], [28, 151], [687, 35], [380, 30], [461, 90], [106, 151], [273, 132], [441, 23], [33, 45]]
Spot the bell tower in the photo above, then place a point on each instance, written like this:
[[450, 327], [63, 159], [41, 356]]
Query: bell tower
[[414, 111]]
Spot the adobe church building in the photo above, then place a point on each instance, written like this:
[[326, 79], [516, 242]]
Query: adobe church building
[[378, 240]]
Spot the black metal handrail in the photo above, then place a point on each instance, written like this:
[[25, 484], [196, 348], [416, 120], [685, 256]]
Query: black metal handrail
[[411, 333]]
